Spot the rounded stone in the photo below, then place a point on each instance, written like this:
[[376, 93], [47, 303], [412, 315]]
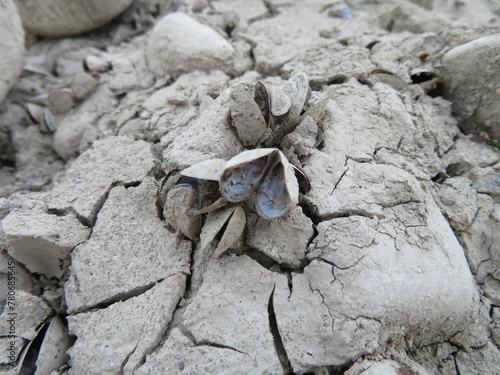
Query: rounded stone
[[470, 80], [180, 44], [12, 40], [57, 18]]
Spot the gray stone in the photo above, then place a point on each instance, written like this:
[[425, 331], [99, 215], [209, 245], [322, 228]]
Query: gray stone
[[283, 239], [470, 76], [115, 340], [85, 185], [180, 44], [128, 234], [42, 241], [12, 32]]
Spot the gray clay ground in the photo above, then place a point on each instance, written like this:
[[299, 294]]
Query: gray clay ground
[[390, 264]]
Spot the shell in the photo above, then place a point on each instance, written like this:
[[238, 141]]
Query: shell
[[297, 89], [61, 101], [180, 199], [243, 173], [261, 97], [48, 124], [246, 114], [227, 224], [265, 173], [280, 103], [82, 85], [35, 112], [278, 192], [206, 170]]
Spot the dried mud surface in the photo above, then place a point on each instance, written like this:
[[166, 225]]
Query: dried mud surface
[[388, 265]]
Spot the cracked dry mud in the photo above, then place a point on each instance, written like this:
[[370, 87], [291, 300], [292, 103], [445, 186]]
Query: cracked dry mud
[[388, 265]]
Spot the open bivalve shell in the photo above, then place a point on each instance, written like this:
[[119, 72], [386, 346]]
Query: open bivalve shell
[[264, 112], [264, 173]]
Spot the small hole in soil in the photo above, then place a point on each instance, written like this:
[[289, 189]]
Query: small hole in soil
[[422, 77]]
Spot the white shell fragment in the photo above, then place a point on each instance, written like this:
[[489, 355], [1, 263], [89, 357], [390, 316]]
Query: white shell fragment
[[279, 191], [82, 85], [246, 114], [206, 170], [279, 102], [180, 201], [53, 352], [61, 101], [227, 224], [244, 172], [265, 172]]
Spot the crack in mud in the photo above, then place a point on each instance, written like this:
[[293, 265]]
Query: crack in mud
[[278, 341]]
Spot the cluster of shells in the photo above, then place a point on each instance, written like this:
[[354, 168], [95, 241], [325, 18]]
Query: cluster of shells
[[211, 198]]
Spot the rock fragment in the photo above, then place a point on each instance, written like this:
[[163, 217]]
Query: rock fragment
[[129, 235], [470, 79], [284, 239], [180, 44], [86, 183], [114, 340], [42, 241]]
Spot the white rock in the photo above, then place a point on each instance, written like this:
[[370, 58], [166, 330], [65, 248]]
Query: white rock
[[114, 340], [96, 64], [12, 40], [180, 44], [128, 234], [86, 183], [470, 78], [42, 241], [56, 18]]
